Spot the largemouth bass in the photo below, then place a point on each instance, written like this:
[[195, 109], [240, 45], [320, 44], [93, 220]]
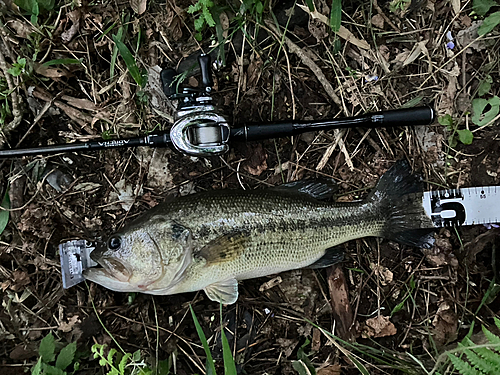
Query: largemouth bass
[[209, 241]]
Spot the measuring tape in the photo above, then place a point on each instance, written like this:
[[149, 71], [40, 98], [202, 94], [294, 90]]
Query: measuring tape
[[75, 258], [467, 206], [446, 208]]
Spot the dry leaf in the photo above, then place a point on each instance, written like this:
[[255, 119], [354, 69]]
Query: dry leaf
[[343, 32], [20, 280], [74, 17], [379, 326], [456, 6], [270, 284], [378, 21], [330, 370], [339, 299], [384, 274], [80, 103], [67, 327], [256, 162], [447, 98], [159, 175], [49, 72], [224, 21], [418, 49], [22, 29], [468, 37], [139, 6], [316, 340], [125, 194], [445, 324], [254, 71]]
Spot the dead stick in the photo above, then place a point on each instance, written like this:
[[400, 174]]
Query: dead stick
[[324, 82], [341, 307], [16, 112]]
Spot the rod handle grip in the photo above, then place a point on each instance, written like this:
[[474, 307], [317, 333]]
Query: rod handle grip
[[407, 117]]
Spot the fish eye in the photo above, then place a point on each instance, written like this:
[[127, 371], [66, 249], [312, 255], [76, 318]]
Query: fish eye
[[114, 242]]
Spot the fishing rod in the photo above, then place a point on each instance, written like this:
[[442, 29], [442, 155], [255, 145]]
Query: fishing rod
[[199, 130]]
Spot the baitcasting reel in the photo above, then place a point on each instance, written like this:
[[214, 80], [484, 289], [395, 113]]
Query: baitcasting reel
[[198, 129]]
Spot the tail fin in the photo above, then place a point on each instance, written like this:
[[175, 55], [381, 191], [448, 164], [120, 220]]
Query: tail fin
[[397, 194]]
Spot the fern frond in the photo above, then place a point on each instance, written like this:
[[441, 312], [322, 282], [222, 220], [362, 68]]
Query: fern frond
[[492, 358], [479, 363], [463, 367], [497, 322], [493, 339]]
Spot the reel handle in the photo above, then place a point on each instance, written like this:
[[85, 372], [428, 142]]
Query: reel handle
[[205, 62]]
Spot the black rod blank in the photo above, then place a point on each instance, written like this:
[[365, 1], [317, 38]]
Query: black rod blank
[[387, 119]]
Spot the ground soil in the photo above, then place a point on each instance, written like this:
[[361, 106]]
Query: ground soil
[[266, 328]]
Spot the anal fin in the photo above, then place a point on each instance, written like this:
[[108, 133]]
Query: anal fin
[[332, 256], [225, 292]]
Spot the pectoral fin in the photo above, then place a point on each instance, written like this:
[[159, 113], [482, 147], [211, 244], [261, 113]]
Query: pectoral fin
[[224, 248], [225, 292]]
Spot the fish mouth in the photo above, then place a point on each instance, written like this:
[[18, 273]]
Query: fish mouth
[[112, 268]]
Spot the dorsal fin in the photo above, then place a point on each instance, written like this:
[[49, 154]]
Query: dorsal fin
[[317, 189]]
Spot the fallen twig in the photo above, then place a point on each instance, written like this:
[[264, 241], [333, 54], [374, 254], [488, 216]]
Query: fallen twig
[[16, 112], [303, 54]]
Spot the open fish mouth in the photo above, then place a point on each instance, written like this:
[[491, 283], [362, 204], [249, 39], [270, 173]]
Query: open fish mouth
[[110, 268]]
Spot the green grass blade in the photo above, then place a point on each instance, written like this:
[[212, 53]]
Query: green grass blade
[[229, 365], [114, 56], [129, 60], [310, 5], [62, 62], [4, 214], [336, 15], [362, 369], [204, 342]]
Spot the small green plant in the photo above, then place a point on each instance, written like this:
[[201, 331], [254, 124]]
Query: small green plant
[[303, 364], [482, 7], [128, 363], [18, 67], [139, 76], [35, 7], [51, 364], [408, 294], [4, 211], [463, 135], [398, 6], [119, 365], [205, 17], [485, 110], [479, 359]]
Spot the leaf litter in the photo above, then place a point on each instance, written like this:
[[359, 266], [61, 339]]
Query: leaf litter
[[109, 188]]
